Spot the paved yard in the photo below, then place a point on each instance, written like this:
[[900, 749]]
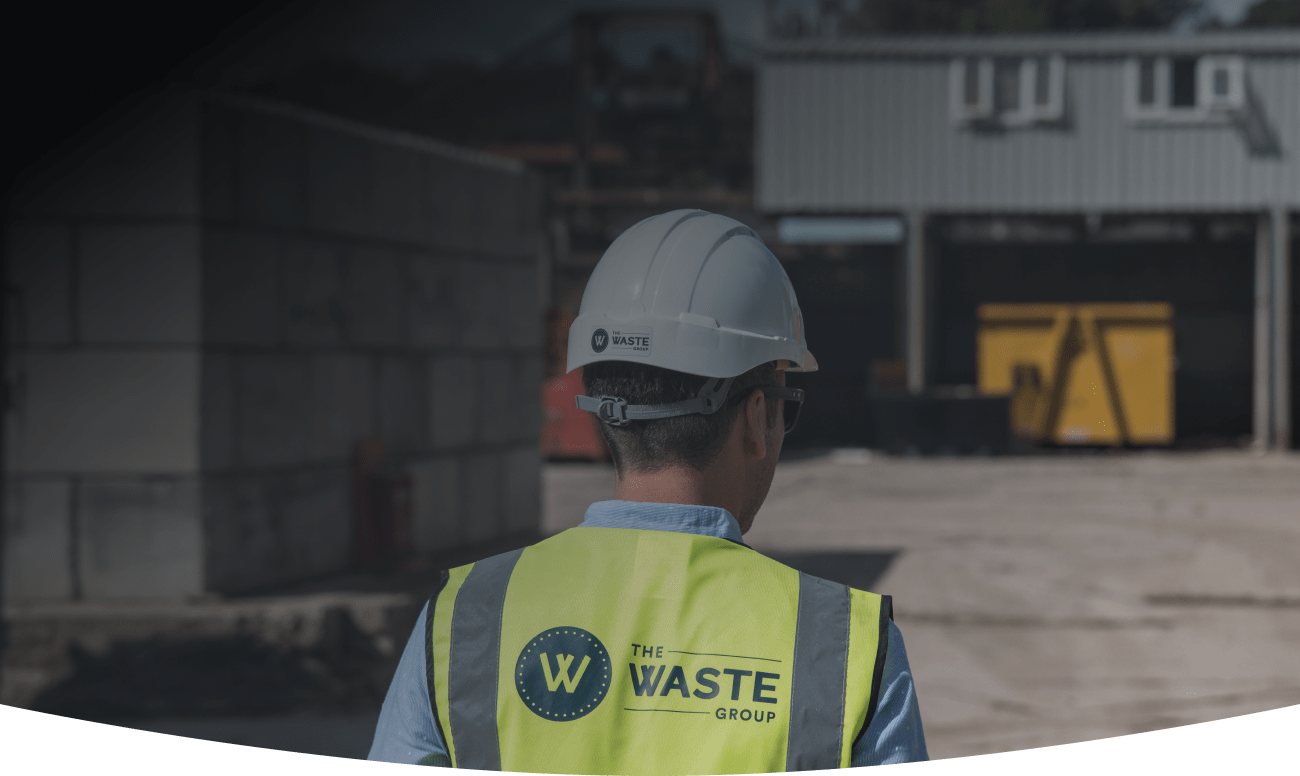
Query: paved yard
[[1055, 599]]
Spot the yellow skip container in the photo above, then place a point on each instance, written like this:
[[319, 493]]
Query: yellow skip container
[[1085, 374]]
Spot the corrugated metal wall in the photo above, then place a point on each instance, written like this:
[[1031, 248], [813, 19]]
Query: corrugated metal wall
[[874, 134]]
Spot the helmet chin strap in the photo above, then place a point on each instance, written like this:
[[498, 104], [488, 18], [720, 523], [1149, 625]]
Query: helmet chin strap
[[614, 411]]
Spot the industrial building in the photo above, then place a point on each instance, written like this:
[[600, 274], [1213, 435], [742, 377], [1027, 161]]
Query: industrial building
[[1063, 168]]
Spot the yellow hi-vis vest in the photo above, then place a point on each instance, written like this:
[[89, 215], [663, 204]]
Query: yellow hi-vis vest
[[625, 651]]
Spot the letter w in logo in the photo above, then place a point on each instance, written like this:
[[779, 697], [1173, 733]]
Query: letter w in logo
[[648, 681], [561, 675]]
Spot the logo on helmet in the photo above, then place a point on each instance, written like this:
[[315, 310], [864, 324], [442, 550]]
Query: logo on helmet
[[563, 674], [599, 340]]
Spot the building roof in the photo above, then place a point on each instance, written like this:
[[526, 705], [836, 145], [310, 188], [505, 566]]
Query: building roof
[[1283, 42]]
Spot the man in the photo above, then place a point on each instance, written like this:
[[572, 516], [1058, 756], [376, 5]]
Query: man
[[650, 639]]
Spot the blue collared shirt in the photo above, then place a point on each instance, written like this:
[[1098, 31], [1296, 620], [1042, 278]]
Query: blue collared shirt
[[406, 732]]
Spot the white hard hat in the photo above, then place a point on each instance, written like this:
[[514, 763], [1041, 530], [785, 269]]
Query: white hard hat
[[693, 292]]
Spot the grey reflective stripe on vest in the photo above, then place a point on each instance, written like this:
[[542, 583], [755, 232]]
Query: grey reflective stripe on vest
[[818, 685], [472, 666]]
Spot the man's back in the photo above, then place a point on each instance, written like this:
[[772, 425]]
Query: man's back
[[655, 652]]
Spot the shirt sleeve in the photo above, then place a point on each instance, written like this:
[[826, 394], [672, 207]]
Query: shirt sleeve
[[895, 734], [406, 733]]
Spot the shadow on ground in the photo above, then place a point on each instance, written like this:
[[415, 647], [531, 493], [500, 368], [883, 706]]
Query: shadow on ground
[[223, 676], [861, 570]]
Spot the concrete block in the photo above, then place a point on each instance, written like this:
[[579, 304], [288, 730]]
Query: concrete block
[[511, 397], [340, 183], [142, 162], [273, 409], [534, 202], [453, 204], [240, 287], [217, 403], [272, 165], [39, 270], [498, 306], [139, 284], [499, 421], [112, 412], [403, 409], [341, 405], [316, 511], [262, 529], [529, 398], [432, 309], [240, 540], [523, 490], [314, 312], [399, 194], [481, 517], [454, 400], [525, 225], [436, 503], [140, 538], [315, 520], [519, 294], [218, 161], [508, 224], [375, 296], [500, 206], [37, 563]]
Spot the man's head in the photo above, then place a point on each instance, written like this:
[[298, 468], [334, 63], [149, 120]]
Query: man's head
[[735, 448], [683, 320]]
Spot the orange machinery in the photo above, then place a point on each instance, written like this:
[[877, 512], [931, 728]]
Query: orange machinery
[[567, 432]]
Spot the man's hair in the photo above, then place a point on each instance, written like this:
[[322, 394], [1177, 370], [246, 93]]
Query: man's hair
[[686, 440]]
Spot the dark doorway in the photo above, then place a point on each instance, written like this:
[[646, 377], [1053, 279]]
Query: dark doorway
[[847, 294], [1204, 267]]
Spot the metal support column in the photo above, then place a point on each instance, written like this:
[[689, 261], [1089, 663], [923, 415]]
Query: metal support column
[[915, 299], [1263, 388], [1279, 230]]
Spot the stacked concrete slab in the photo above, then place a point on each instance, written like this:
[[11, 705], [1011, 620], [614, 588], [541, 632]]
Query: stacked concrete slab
[[214, 299]]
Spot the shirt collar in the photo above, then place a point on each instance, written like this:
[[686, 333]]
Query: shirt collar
[[680, 518]]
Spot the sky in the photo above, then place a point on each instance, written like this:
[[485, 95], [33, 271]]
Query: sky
[[1229, 11]]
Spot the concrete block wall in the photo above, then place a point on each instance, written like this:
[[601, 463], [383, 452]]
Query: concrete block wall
[[218, 298], [102, 435]]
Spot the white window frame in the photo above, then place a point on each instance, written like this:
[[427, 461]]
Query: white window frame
[[1235, 99], [982, 110], [1028, 111], [1209, 108], [1159, 107]]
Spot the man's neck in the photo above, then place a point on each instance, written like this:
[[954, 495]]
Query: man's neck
[[675, 485]]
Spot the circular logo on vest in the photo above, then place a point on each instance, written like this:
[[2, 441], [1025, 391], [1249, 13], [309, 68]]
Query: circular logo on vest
[[599, 340], [563, 674]]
